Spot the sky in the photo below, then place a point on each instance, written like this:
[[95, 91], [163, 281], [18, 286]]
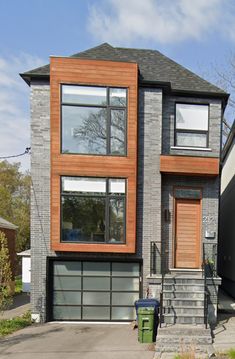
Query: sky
[[198, 34]]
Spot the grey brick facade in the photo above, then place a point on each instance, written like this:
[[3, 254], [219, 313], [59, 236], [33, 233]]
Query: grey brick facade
[[149, 177], [40, 194]]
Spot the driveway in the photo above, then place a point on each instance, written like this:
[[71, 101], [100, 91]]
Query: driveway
[[70, 341]]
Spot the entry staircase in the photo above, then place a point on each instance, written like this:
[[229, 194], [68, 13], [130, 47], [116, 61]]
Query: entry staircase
[[183, 299], [183, 326]]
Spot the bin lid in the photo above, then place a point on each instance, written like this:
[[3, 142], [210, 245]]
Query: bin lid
[[146, 310], [147, 302]]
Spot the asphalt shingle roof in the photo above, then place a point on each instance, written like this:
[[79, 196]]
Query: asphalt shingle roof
[[153, 67], [5, 224]]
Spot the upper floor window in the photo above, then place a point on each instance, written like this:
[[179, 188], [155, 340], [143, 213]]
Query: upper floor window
[[93, 120], [93, 210], [191, 125]]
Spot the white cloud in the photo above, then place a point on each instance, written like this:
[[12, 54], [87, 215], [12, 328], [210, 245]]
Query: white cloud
[[164, 21], [14, 106]]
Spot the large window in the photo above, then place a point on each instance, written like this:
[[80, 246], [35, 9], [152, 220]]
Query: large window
[[93, 120], [93, 210], [191, 127]]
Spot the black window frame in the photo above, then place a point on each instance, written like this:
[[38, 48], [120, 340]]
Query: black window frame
[[107, 197], [176, 130], [109, 109]]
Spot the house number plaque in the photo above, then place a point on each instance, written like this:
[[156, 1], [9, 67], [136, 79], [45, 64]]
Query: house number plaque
[[208, 219]]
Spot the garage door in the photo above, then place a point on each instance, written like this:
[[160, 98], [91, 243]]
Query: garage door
[[84, 290]]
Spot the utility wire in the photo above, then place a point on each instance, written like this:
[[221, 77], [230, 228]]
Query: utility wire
[[27, 150]]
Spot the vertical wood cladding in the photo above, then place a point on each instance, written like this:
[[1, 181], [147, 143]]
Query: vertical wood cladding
[[103, 73]]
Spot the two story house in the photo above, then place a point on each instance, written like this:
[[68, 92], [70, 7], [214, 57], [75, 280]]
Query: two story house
[[125, 186]]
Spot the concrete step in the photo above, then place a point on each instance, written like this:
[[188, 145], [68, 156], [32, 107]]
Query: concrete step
[[193, 310], [186, 302], [183, 338], [184, 287], [183, 280], [195, 294], [184, 319]]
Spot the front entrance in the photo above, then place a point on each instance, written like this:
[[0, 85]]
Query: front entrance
[[187, 233]]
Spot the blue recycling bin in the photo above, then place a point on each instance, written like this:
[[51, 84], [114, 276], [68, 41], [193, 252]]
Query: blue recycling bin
[[150, 303]]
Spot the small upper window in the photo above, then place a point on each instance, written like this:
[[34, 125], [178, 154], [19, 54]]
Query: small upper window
[[93, 120], [191, 129]]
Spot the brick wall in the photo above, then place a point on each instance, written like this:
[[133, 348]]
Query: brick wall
[[149, 177]]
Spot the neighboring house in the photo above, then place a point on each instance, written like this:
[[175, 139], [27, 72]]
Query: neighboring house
[[125, 172], [9, 229], [26, 269], [226, 258]]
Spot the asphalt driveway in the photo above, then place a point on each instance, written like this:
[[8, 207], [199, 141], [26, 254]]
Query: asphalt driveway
[[70, 341]]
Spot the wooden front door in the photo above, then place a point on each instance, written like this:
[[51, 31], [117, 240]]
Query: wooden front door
[[187, 233]]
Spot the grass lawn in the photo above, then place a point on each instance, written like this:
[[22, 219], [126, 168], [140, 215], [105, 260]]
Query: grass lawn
[[18, 285], [8, 326]]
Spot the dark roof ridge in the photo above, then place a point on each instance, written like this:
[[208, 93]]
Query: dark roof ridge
[[175, 63], [93, 48]]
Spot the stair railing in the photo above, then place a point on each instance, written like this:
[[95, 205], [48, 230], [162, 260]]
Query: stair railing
[[157, 267], [209, 271]]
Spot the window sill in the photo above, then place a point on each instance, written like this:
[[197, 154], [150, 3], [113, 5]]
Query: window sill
[[206, 149]]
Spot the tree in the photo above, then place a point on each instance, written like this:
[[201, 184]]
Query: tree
[[15, 201], [5, 274]]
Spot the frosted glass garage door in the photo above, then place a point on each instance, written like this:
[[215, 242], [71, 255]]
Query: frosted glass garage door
[[100, 291]]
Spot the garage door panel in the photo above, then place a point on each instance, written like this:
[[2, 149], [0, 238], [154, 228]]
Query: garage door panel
[[66, 312], [96, 268], [67, 268], [124, 298], [94, 298], [67, 297], [63, 283], [123, 313], [125, 269], [96, 313], [96, 283], [125, 284]]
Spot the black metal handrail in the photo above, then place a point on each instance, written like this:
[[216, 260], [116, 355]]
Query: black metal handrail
[[157, 267], [209, 270]]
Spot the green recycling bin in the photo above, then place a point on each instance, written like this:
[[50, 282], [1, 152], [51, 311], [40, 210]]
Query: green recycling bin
[[146, 324]]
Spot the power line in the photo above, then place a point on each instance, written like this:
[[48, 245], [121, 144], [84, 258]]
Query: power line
[[27, 150]]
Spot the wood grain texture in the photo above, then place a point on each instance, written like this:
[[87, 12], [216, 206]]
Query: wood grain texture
[[187, 233], [104, 73], [188, 165]]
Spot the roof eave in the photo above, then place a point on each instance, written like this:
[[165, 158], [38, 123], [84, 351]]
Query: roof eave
[[28, 77]]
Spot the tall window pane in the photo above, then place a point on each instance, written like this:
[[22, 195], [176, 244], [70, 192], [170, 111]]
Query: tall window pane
[[84, 95], [83, 219], [118, 130], [84, 130], [116, 213]]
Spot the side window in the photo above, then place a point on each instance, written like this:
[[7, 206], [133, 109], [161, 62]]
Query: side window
[[93, 120], [191, 125]]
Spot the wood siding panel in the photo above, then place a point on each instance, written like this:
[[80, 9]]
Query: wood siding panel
[[188, 165], [103, 73], [188, 237]]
